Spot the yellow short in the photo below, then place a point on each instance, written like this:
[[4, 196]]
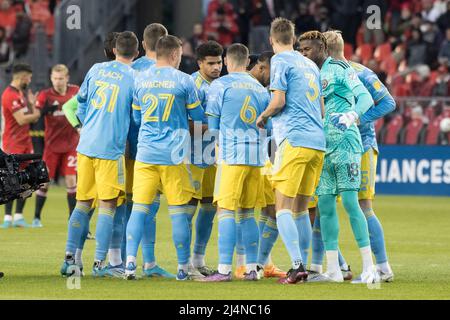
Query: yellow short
[[368, 175], [297, 170], [237, 186], [129, 164], [176, 182], [203, 180], [267, 196], [101, 179]]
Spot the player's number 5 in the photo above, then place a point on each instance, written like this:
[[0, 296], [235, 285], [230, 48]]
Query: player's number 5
[[313, 85], [248, 113], [100, 102], [154, 101]]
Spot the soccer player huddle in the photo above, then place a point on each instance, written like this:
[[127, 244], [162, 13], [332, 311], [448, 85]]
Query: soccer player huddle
[[202, 141]]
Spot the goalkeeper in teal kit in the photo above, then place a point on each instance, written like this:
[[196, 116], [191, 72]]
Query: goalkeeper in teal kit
[[346, 100]]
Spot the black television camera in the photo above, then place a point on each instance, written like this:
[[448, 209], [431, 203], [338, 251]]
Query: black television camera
[[16, 183]]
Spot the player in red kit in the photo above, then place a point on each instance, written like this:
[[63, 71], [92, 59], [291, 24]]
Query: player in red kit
[[18, 112], [61, 139]]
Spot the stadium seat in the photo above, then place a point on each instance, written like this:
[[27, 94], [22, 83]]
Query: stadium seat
[[348, 51], [412, 132], [433, 132], [383, 51], [430, 113], [365, 52], [393, 129], [379, 125]]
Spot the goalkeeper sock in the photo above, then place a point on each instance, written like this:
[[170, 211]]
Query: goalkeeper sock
[[135, 228], [288, 232], [103, 233], [268, 239], [250, 236], [149, 235], [227, 240], [329, 222], [181, 217], [376, 235], [77, 225], [41, 197], [357, 219], [304, 229], [203, 227]]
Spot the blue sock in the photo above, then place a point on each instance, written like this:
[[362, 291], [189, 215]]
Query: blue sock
[[262, 223], [227, 236], [135, 228], [85, 231], [288, 232], [125, 224], [240, 248], [342, 263], [250, 235], [376, 234], [203, 227], [180, 216], [149, 236], [119, 220], [103, 233], [268, 239], [304, 232], [77, 224], [318, 249]]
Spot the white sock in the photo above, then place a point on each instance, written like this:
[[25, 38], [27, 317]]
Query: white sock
[[8, 218], [333, 262], [384, 267], [240, 260], [251, 267], [198, 260], [184, 267], [224, 269], [78, 259], [316, 268], [115, 257], [131, 259], [366, 255], [149, 265], [18, 216]]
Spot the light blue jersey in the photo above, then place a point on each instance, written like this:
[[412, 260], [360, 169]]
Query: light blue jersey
[[301, 119], [143, 63], [105, 99], [165, 97], [238, 100], [140, 65], [384, 104], [198, 144]]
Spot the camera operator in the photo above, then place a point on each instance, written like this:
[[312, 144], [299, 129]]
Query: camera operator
[[18, 110]]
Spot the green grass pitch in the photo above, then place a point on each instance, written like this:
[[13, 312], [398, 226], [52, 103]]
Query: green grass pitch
[[416, 229]]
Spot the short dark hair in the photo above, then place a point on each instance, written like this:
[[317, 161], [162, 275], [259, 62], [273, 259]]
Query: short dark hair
[[253, 61], [265, 57], [109, 44], [209, 49], [166, 45], [127, 44], [21, 67], [152, 33], [238, 53]]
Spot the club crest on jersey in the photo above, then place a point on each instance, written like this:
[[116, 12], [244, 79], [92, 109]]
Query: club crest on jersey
[[324, 84]]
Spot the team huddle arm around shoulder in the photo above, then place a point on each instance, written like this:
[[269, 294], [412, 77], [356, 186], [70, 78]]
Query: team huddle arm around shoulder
[[381, 108], [193, 104], [70, 111], [214, 105]]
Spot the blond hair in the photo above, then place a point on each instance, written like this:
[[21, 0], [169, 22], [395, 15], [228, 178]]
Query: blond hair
[[282, 31], [335, 43], [60, 68]]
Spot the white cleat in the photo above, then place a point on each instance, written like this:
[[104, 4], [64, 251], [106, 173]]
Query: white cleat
[[370, 276], [194, 274], [325, 277]]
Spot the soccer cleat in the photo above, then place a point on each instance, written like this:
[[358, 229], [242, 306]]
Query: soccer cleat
[[325, 277], [90, 236], [347, 274], [69, 268], [368, 277], [240, 272], [158, 272], [271, 271], [252, 276], [37, 224], [21, 223], [194, 274], [99, 271], [130, 271], [6, 225], [294, 276], [182, 276], [206, 271], [217, 277], [386, 277]]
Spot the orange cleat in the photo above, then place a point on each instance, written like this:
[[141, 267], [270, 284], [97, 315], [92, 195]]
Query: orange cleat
[[240, 272], [271, 271]]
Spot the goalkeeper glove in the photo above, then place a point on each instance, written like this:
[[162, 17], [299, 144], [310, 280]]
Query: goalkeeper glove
[[343, 121]]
